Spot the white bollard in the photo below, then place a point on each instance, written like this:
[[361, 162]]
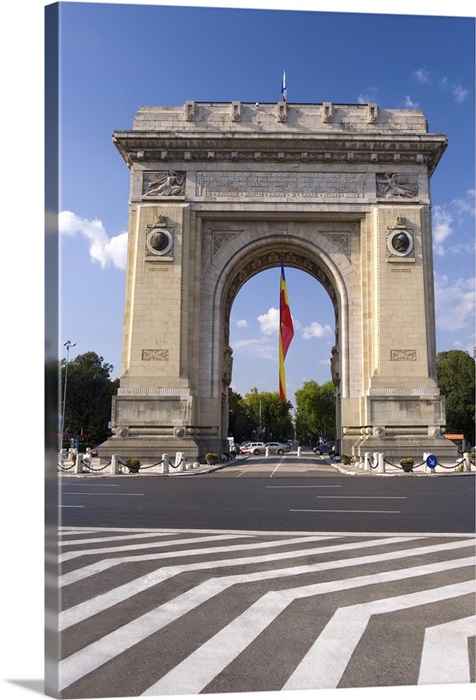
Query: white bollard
[[196, 465], [165, 464], [115, 469], [180, 461], [367, 461], [299, 451], [79, 464], [467, 461], [266, 452], [381, 463]]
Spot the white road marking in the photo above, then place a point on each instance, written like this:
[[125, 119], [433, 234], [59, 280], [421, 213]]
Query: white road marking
[[148, 545], [322, 510], [104, 564], [445, 657], [324, 486], [101, 602], [114, 538], [198, 669], [327, 659], [94, 655], [367, 497], [97, 493]]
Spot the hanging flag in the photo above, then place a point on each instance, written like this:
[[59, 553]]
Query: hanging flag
[[286, 332], [283, 88]]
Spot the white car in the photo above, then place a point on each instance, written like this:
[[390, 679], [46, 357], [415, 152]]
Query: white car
[[278, 448], [255, 448]]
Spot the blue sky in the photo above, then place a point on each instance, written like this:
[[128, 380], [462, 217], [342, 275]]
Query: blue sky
[[116, 58]]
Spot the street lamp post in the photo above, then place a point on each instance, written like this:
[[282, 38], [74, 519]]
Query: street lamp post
[[67, 345]]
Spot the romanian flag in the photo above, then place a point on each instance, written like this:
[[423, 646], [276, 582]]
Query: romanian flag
[[286, 332], [283, 88]]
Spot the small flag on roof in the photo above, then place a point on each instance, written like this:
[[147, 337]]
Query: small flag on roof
[[283, 88]]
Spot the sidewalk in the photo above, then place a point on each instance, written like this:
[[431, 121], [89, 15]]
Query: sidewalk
[[393, 470], [98, 469]]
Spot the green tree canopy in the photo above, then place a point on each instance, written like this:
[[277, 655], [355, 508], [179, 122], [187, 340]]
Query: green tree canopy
[[316, 412], [89, 392], [456, 379], [240, 425], [270, 418]]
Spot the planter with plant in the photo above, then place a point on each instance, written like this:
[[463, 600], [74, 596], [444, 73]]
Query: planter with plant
[[133, 465], [407, 464], [211, 458], [346, 459]]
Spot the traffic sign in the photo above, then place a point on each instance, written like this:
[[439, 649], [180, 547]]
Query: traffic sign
[[431, 461]]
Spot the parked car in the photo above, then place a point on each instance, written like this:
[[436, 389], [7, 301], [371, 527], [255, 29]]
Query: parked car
[[323, 448], [255, 448], [278, 448]]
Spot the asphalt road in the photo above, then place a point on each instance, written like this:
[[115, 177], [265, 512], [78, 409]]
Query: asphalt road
[[326, 503]]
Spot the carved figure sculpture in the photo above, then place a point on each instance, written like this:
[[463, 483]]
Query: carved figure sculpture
[[394, 185], [171, 184]]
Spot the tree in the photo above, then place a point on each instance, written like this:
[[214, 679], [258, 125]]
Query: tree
[[456, 379], [88, 396], [240, 424], [316, 412], [271, 418]]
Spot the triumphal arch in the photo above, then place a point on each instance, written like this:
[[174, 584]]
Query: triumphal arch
[[220, 192]]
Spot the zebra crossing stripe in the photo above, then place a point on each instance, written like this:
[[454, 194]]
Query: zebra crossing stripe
[[445, 657], [82, 611], [111, 538], [196, 671], [327, 659], [67, 556], [237, 635], [104, 564]]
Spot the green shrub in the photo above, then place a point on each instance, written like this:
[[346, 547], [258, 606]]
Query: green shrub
[[407, 464], [133, 464], [211, 457]]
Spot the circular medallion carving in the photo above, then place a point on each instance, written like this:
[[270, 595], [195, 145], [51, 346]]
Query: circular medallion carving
[[159, 241], [400, 243]]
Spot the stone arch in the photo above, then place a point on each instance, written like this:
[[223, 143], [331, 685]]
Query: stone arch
[[232, 189], [259, 247]]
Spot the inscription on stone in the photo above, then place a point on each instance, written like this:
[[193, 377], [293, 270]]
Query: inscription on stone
[[273, 184], [158, 354], [403, 355]]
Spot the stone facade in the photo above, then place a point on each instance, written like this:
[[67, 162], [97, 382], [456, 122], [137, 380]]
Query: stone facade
[[221, 191]]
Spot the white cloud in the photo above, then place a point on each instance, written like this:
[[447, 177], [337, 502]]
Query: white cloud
[[454, 303], [464, 206], [446, 219], [422, 75], [269, 322], [258, 348], [315, 330], [242, 323], [442, 228], [460, 93], [370, 95], [408, 103], [102, 248]]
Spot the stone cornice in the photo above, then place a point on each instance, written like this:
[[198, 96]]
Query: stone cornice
[[236, 132], [137, 147]]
